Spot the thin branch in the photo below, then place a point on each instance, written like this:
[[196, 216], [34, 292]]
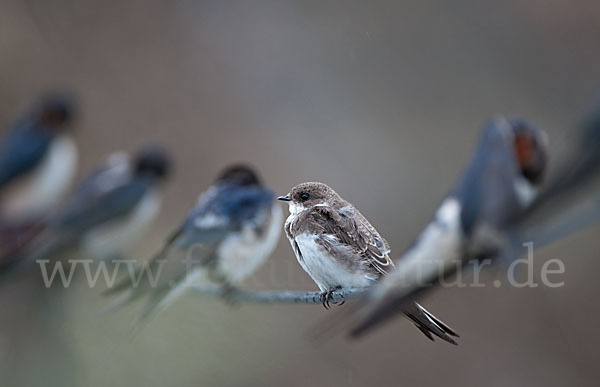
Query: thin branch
[[278, 297]]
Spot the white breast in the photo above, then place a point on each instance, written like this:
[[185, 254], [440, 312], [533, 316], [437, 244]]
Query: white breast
[[41, 190], [526, 192], [295, 208], [438, 249], [108, 240], [240, 254], [323, 269]]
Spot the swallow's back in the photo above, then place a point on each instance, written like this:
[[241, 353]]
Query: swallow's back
[[22, 149]]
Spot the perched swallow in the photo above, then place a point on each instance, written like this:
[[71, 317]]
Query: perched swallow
[[38, 160], [551, 216], [473, 222], [110, 209], [225, 238], [338, 247]]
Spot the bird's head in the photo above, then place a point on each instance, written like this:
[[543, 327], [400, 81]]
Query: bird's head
[[54, 112], [308, 195], [531, 150], [152, 161], [239, 174]]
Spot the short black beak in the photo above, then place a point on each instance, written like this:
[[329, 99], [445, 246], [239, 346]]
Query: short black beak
[[284, 198]]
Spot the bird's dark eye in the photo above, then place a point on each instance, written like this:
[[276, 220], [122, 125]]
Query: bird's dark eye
[[304, 196]]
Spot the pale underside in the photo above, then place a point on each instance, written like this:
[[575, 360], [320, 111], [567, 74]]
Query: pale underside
[[108, 240], [41, 190], [324, 269]]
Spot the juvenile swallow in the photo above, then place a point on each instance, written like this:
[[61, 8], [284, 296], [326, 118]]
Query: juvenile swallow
[[473, 222], [338, 247], [38, 160], [225, 238], [110, 209]]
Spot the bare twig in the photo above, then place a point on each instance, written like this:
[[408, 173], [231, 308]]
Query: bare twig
[[278, 297]]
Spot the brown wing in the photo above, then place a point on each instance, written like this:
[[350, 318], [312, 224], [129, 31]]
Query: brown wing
[[377, 248], [349, 238]]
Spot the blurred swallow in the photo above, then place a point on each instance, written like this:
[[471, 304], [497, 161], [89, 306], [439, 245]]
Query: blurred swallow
[[554, 214], [38, 159], [225, 238], [15, 237], [473, 222], [109, 209], [338, 247]]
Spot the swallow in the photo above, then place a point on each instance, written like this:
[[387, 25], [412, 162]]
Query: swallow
[[338, 248], [226, 237], [38, 159], [109, 210], [552, 216], [502, 180]]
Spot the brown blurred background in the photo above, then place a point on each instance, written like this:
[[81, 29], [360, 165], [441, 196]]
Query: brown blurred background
[[382, 100]]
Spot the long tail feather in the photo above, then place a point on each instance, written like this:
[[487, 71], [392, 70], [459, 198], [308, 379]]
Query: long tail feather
[[158, 301], [429, 324], [124, 298], [371, 316]]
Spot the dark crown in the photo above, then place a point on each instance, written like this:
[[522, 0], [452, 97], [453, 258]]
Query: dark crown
[[55, 110], [153, 160], [240, 174]]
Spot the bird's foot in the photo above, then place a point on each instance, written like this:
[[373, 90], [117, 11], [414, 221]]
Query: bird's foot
[[327, 297]]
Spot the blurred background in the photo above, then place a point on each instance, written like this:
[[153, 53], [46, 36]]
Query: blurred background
[[381, 100]]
